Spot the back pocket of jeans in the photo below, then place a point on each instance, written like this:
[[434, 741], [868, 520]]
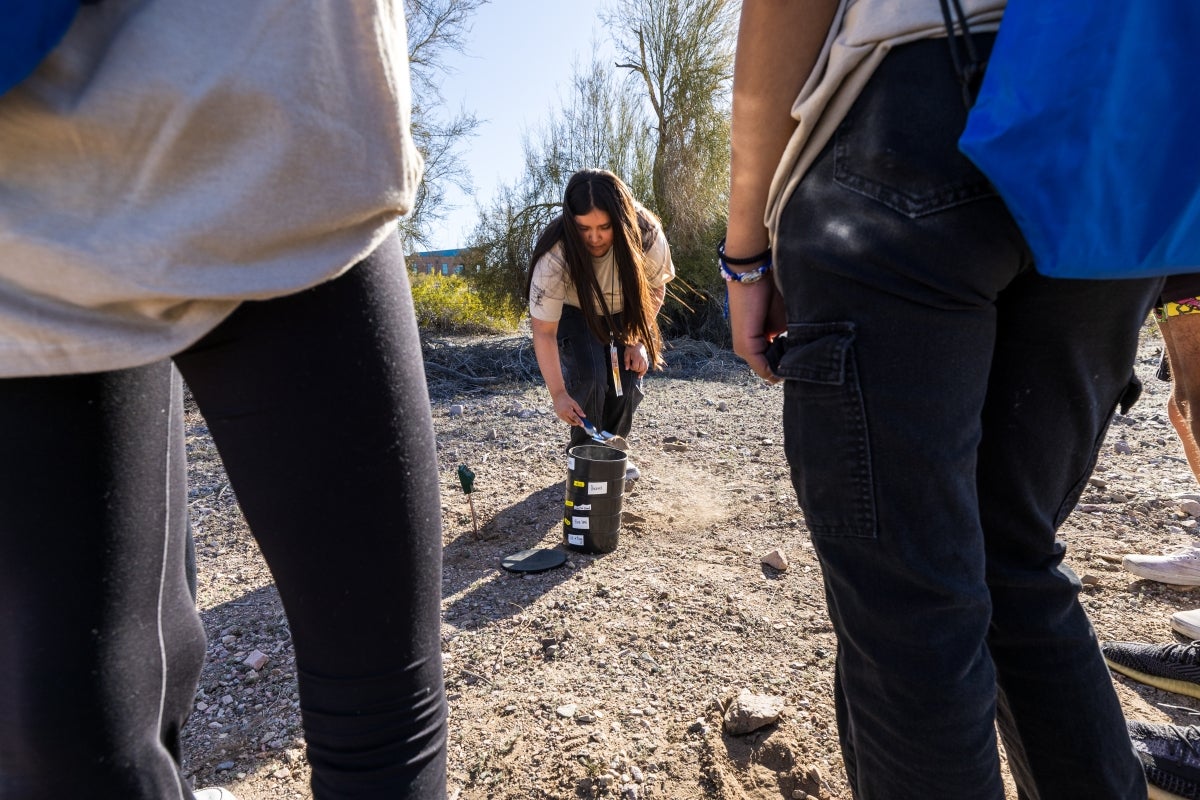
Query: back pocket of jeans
[[825, 430], [898, 144]]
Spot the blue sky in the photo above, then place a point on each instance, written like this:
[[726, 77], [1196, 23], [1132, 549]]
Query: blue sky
[[518, 62]]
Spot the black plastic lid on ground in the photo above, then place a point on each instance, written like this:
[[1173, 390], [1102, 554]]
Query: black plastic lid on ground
[[538, 559]]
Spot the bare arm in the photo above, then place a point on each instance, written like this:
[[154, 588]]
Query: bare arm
[[778, 44], [545, 348]]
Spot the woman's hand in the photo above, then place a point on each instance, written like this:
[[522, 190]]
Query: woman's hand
[[636, 359], [566, 409], [756, 316]]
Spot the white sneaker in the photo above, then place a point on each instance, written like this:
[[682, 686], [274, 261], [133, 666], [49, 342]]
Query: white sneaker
[[215, 793], [632, 473], [1181, 568], [1187, 623]]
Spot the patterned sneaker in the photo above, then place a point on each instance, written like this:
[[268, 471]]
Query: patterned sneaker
[[1174, 667], [1187, 623], [1170, 756], [1181, 568]]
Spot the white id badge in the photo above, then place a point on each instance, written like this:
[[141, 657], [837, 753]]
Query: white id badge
[[612, 357]]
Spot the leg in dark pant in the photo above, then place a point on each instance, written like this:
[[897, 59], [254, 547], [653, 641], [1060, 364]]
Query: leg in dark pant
[[100, 642], [943, 406], [587, 372], [1056, 378], [318, 406]]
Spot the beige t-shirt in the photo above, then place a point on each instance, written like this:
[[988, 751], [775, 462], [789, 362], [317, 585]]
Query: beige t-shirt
[[552, 288], [171, 158], [862, 33]]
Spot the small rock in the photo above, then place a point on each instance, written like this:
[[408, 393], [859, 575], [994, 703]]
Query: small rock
[[456, 410], [776, 559], [1190, 507], [750, 711], [722, 406], [1089, 580], [1122, 448], [256, 660], [1099, 483], [225, 765], [566, 711], [281, 773]]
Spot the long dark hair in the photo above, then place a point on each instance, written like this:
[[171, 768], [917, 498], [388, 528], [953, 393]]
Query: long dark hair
[[634, 230]]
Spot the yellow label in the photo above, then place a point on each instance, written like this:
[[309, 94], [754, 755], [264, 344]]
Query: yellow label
[[570, 504], [566, 521], [580, 484]]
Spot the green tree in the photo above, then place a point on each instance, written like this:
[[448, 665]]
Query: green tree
[[664, 130], [597, 126], [681, 54], [435, 29]]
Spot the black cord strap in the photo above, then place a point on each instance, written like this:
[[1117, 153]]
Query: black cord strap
[[967, 64], [740, 262]]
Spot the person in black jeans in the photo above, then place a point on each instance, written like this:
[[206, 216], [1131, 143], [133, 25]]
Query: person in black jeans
[[943, 406]]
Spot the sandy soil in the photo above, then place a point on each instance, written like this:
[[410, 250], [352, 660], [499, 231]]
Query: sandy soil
[[608, 676]]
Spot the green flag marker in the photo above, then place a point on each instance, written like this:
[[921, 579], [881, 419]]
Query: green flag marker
[[466, 478]]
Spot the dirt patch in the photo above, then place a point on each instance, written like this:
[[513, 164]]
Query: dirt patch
[[608, 676]]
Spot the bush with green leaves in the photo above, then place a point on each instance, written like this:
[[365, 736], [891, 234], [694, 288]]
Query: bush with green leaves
[[448, 304]]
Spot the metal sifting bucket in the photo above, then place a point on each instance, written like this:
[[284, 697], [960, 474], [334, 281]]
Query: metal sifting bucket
[[595, 488]]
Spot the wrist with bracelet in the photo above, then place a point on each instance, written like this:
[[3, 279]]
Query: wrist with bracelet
[[750, 276]]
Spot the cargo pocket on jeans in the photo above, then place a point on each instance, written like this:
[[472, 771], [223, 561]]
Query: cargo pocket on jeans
[[825, 430]]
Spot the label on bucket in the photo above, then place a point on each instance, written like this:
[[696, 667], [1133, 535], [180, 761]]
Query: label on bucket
[[575, 539], [584, 507], [581, 523], [578, 484], [571, 463], [599, 487]]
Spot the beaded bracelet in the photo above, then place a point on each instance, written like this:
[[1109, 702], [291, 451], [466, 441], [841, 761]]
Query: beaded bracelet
[[751, 276], [748, 277]]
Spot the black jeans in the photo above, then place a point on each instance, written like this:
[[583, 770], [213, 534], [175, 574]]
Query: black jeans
[[587, 373], [318, 406], [943, 408]]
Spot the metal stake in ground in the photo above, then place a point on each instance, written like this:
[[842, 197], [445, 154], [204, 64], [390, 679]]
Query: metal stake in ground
[[467, 479]]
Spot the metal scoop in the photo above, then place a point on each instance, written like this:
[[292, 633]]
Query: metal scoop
[[604, 437]]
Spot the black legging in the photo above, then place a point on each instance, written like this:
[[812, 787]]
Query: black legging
[[318, 406]]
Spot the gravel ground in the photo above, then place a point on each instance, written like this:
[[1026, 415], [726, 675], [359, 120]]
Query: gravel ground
[[610, 675]]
